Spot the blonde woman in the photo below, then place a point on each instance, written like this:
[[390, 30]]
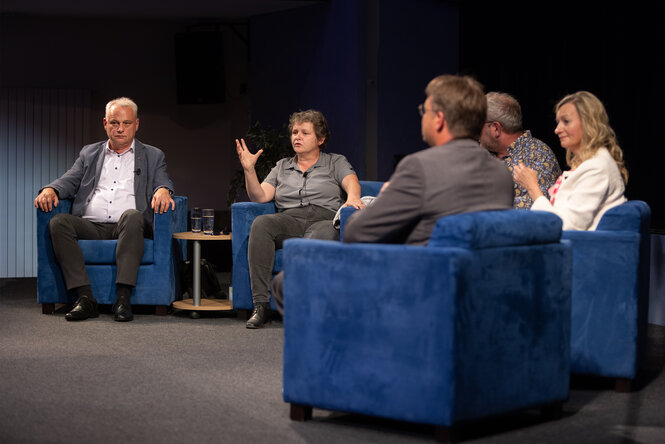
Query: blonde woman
[[597, 176]]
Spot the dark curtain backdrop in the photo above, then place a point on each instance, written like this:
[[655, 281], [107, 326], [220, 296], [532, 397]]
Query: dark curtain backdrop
[[542, 52]]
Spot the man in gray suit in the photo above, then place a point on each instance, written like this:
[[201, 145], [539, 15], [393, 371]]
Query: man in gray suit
[[116, 185], [455, 175]]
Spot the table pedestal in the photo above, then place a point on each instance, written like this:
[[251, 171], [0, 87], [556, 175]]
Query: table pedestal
[[196, 303]]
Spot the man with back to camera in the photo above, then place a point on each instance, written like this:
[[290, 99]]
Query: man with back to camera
[[504, 137], [116, 185], [454, 175]]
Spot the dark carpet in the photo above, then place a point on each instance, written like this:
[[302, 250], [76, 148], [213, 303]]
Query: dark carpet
[[172, 379]]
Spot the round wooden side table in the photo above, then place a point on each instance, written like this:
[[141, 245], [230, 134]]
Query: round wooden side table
[[196, 303]]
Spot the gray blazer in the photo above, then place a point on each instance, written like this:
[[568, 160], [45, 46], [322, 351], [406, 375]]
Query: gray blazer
[[81, 179], [458, 177]]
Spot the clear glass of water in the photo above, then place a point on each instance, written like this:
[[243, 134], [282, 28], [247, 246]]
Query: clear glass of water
[[196, 220], [208, 220]]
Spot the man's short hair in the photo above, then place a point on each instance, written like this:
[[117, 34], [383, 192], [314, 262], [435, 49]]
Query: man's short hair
[[318, 121], [124, 102], [462, 101], [506, 110]]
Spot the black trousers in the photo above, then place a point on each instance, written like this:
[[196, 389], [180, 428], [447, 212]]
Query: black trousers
[[66, 230], [269, 231]]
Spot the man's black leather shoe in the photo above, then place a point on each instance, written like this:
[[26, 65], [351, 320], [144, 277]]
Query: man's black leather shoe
[[122, 311], [85, 307], [260, 316]]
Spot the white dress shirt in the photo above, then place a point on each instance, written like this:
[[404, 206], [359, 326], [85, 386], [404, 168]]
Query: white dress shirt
[[115, 190]]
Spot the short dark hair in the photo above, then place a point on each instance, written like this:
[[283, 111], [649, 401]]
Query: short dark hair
[[462, 101], [318, 121]]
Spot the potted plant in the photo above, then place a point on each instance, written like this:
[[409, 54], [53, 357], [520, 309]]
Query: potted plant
[[276, 145]]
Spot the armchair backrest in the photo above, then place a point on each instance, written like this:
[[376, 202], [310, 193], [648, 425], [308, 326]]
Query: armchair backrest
[[633, 215], [500, 228], [370, 187], [165, 224]]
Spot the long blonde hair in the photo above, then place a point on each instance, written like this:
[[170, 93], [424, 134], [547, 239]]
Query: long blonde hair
[[596, 131]]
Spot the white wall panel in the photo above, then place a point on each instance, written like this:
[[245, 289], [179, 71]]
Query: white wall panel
[[41, 133]]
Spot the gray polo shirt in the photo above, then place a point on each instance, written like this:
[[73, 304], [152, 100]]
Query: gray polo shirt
[[320, 185]]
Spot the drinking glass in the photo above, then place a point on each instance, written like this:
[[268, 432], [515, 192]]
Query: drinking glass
[[196, 220], [208, 220]]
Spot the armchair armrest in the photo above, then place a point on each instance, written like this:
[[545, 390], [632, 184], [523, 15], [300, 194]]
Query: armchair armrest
[[364, 269], [165, 224], [597, 249], [606, 303], [367, 188], [48, 271], [43, 217], [595, 252], [242, 216], [357, 303], [244, 213], [343, 218], [370, 187]]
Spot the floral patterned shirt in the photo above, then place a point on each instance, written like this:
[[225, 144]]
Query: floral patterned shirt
[[535, 154]]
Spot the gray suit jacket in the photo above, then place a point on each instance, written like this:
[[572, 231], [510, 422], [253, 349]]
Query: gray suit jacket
[[81, 179], [458, 177]]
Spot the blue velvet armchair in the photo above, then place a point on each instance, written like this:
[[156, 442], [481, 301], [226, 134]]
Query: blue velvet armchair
[[611, 294], [158, 278], [475, 324], [242, 216]]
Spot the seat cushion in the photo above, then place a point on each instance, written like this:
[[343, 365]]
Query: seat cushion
[[103, 251]]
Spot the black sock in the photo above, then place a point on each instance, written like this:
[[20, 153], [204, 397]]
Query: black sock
[[84, 290], [123, 292]]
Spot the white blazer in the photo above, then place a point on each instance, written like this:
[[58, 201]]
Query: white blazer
[[586, 193]]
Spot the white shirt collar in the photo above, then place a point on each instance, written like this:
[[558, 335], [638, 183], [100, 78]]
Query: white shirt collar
[[108, 150]]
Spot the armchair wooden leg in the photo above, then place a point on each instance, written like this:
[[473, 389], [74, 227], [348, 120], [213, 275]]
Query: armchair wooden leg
[[552, 411], [244, 314], [444, 434], [623, 385], [161, 310], [48, 309], [300, 412]]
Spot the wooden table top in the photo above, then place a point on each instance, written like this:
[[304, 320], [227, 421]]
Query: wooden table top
[[188, 235]]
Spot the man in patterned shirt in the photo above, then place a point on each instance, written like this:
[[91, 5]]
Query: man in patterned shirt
[[503, 136]]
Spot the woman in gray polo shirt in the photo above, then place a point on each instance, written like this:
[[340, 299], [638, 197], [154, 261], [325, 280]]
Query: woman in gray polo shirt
[[307, 188]]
